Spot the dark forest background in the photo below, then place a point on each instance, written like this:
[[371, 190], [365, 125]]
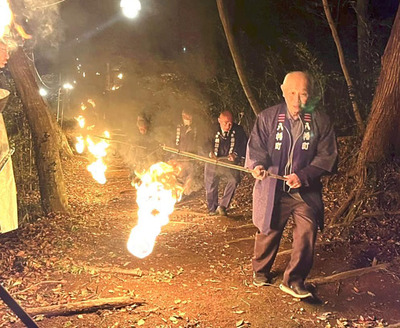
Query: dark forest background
[[179, 45], [174, 55]]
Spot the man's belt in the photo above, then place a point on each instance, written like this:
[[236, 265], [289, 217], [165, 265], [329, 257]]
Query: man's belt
[[5, 159]]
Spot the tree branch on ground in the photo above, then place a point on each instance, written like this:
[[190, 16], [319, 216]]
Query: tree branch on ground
[[84, 306]]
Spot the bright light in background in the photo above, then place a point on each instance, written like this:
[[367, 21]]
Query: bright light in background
[[68, 86], [130, 8], [43, 92], [120, 76]]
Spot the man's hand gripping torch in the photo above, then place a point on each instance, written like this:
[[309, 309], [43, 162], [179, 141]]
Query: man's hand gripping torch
[[260, 173]]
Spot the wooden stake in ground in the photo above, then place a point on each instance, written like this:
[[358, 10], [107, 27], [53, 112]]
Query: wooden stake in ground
[[348, 274], [84, 306]]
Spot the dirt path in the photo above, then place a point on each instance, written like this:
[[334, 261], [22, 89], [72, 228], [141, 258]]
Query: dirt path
[[199, 274]]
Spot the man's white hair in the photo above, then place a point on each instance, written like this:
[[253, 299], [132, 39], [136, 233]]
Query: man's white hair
[[305, 74]]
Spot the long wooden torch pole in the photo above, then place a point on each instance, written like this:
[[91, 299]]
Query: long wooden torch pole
[[217, 162]]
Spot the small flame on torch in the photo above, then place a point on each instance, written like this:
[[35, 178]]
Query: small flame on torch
[[80, 144], [98, 168], [98, 150], [81, 121], [91, 101]]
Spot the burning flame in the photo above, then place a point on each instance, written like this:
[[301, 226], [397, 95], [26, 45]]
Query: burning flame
[[80, 144], [5, 18], [156, 197], [91, 101], [98, 150], [81, 121], [98, 168]]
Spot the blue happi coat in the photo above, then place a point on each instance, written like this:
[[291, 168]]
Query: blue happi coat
[[314, 154]]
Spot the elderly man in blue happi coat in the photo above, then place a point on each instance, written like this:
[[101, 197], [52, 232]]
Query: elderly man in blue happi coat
[[294, 140]]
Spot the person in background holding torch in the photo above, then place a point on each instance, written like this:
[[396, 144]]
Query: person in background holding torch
[[186, 139], [294, 140], [229, 142], [8, 193]]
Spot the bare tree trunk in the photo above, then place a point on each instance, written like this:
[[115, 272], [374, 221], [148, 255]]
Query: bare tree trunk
[[363, 38], [356, 111], [382, 131], [46, 141], [237, 60]]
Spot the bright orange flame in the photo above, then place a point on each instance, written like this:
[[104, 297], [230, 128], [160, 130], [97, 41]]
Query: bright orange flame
[[91, 101], [5, 18], [97, 149], [156, 197], [98, 168], [81, 121], [80, 144]]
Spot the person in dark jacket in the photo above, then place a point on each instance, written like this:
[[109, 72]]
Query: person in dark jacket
[[186, 139], [228, 141], [186, 133], [145, 150], [293, 140]]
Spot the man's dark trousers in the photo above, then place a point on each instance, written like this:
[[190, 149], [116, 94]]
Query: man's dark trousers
[[212, 175], [304, 235]]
